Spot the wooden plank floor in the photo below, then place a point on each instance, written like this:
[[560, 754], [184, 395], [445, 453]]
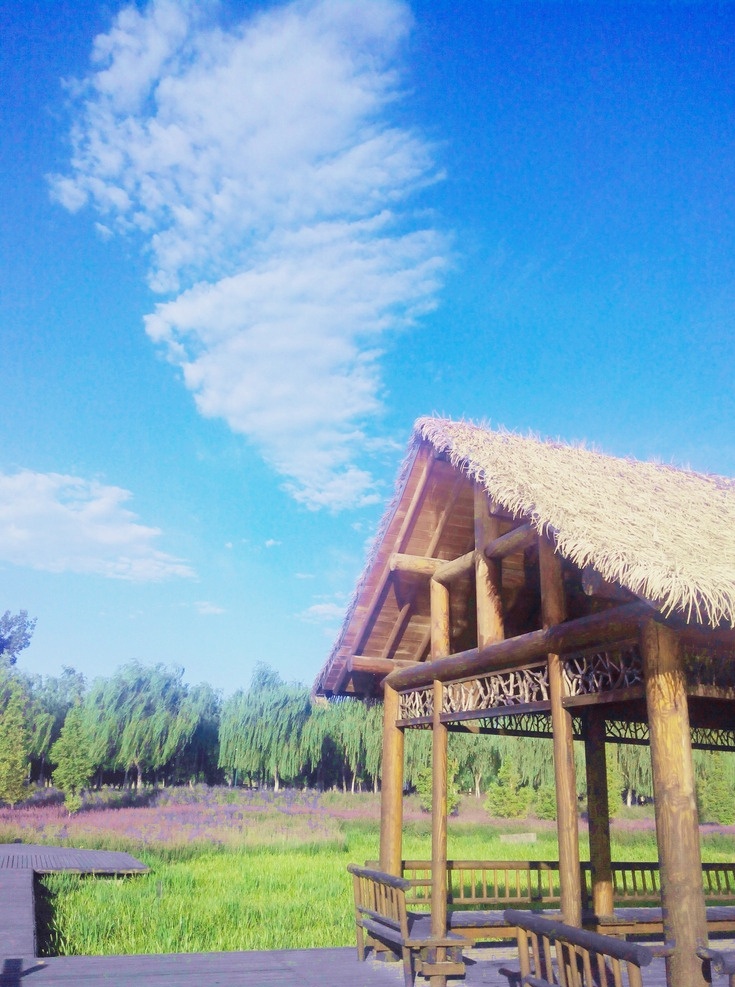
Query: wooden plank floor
[[17, 913], [272, 968], [51, 859]]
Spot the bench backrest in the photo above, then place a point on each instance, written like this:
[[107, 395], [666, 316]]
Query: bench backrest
[[506, 883], [719, 882], [583, 959], [498, 883], [634, 883], [381, 897]]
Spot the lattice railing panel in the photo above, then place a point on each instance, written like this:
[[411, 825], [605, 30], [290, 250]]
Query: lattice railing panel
[[704, 738], [526, 724], [714, 739], [711, 667], [416, 705], [516, 688], [623, 731], [603, 671]]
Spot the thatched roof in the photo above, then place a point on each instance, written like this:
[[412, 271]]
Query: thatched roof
[[666, 534], [663, 533]]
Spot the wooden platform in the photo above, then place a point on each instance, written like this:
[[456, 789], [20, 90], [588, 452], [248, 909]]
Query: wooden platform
[[53, 859]]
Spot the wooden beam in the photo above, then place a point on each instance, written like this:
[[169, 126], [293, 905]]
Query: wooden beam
[[598, 813], [363, 629], [594, 585], [488, 574], [511, 542], [441, 643], [398, 628], [443, 570], [675, 805], [417, 565], [553, 608], [391, 788], [376, 666], [447, 572], [606, 627], [445, 514]]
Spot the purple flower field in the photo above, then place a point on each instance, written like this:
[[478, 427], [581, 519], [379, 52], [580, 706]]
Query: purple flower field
[[178, 816]]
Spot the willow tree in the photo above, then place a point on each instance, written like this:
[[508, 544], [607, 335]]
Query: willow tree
[[140, 718], [198, 759], [344, 737], [261, 729]]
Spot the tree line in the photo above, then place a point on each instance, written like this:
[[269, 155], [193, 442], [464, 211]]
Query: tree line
[[144, 725]]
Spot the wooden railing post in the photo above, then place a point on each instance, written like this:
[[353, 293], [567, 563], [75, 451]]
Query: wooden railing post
[[554, 612], [391, 792], [598, 813], [677, 823]]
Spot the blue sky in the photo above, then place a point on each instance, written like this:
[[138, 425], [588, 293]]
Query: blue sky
[[245, 246]]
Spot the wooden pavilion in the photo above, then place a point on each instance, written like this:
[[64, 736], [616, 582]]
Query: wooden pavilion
[[540, 589]]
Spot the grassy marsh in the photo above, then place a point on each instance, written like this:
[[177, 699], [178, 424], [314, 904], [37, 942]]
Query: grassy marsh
[[236, 870]]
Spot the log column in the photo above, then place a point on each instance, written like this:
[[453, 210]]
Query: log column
[[440, 647], [554, 612], [677, 823], [391, 792], [598, 813], [488, 573]]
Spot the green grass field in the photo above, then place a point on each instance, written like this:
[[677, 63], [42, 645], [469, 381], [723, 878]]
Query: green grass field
[[271, 894]]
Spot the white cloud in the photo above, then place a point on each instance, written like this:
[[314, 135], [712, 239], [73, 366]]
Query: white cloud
[[272, 543], [262, 169], [320, 613], [62, 523], [207, 609]]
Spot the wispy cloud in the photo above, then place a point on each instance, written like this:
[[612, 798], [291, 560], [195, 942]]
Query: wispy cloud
[[207, 609], [262, 169], [324, 613], [62, 523]]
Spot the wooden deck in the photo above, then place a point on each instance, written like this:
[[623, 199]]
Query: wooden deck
[[493, 966], [272, 968], [52, 859]]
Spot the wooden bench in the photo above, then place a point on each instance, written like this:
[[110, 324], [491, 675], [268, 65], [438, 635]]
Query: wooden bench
[[637, 898], [383, 920], [720, 962], [479, 891], [552, 953]]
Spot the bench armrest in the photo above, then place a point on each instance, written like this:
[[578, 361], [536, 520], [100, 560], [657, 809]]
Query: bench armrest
[[380, 877]]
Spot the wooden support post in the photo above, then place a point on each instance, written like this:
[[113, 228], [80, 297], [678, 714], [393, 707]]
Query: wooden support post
[[567, 822], [598, 813], [440, 647], [391, 791], [488, 574], [439, 819], [677, 823]]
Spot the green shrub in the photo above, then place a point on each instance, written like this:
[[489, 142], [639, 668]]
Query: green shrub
[[424, 787], [507, 798], [715, 792], [544, 802]]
